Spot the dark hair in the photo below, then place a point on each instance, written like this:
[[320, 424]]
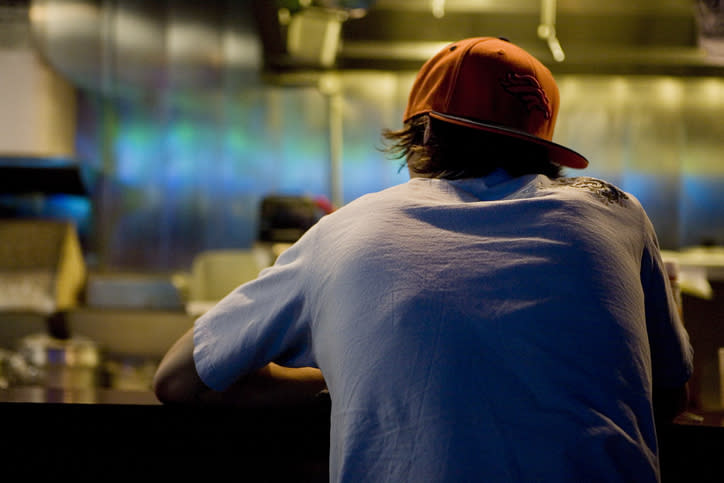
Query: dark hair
[[452, 152]]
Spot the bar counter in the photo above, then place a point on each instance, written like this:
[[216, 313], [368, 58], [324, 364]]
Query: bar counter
[[105, 435]]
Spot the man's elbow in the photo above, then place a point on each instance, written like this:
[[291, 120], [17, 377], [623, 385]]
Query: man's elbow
[[163, 388], [171, 389]]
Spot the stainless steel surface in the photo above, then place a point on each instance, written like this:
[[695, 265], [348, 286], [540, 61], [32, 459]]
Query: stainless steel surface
[[116, 45]]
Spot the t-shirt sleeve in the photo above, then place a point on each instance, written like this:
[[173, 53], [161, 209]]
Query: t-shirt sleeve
[[264, 320], [671, 351]]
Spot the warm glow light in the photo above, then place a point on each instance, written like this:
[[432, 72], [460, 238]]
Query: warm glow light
[[241, 50], [669, 92], [620, 88], [65, 17], [37, 13], [712, 90]]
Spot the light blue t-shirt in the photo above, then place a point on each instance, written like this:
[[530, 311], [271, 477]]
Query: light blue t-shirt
[[499, 329]]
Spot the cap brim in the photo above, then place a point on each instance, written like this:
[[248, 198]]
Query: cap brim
[[557, 153]]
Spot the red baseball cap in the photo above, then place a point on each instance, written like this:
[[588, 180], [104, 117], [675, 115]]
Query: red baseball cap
[[490, 84]]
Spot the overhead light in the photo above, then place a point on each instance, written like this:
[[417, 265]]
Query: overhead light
[[438, 8]]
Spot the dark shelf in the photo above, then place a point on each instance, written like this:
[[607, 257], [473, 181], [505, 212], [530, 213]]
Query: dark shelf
[[20, 175]]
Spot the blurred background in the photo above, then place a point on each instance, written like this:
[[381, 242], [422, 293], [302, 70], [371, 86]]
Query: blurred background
[[158, 129], [182, 115]]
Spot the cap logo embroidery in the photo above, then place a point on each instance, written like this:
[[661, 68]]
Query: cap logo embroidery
[[527, 90]]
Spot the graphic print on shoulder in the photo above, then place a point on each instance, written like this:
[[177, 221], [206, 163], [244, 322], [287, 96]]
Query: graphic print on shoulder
[[604, 191]]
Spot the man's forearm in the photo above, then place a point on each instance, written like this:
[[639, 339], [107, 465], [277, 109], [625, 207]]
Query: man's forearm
[[177, 381]]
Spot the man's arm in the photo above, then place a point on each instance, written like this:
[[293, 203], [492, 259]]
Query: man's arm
[[177, 381]]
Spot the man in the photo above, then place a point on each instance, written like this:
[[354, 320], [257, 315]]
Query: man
[[488, 320]]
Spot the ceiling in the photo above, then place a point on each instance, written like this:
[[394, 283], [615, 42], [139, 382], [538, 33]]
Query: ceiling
[[612, 36]]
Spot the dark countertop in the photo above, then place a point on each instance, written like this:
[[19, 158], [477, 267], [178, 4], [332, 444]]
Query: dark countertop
[[106, 435]]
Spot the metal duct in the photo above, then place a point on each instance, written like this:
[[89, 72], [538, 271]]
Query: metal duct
[[38, 105], [116, 45]]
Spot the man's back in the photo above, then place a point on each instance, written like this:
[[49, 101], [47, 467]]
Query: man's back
[[504, 340], [493, 328]]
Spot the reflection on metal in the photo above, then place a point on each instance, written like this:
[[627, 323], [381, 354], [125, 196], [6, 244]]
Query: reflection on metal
[[330, 87], [112, 45], [547, 29], [657, 137]]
